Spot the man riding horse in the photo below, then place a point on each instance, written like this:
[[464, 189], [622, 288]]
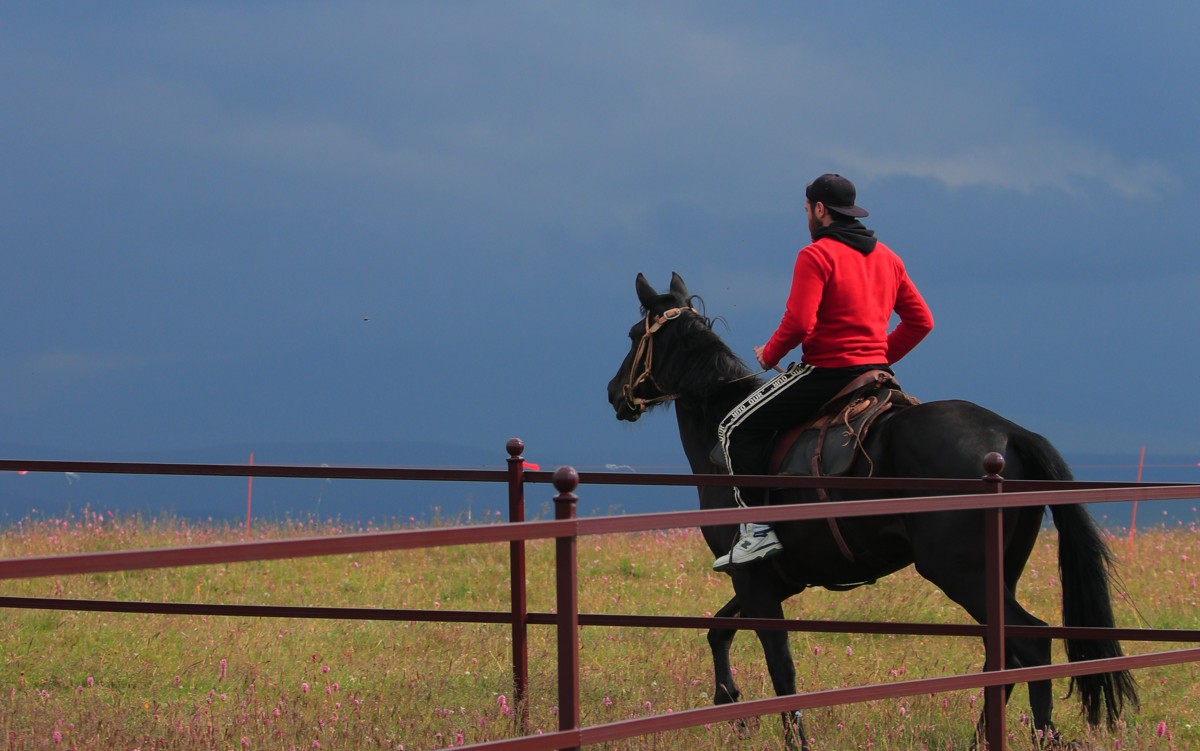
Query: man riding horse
[[845, 286]]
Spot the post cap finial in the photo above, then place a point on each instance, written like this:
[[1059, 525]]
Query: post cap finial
[[993, 463], [515, 446], [566, 479]]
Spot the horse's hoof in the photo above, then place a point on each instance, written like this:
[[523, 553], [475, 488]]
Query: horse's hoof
[[793, 732], [1055, 742], [744, 728]]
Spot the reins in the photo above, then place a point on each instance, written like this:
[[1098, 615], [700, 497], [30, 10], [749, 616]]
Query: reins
[[645, 354]]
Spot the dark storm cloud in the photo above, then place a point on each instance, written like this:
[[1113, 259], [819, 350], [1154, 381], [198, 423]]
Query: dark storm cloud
[[309, 222]]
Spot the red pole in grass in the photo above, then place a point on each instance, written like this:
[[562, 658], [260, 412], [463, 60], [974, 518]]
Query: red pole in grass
[[1133, 521], [249, 496]]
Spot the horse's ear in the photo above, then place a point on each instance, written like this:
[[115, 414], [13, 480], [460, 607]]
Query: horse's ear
[[646, 293], [678, 288]]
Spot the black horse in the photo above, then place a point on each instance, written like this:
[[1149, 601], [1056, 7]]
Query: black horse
[[676, 356]]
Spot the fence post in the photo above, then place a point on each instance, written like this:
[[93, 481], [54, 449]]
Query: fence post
[[566, 479], [993, 531], [518, 597]]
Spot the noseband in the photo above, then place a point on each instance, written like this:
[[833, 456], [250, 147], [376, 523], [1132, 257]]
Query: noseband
[[644, 354]]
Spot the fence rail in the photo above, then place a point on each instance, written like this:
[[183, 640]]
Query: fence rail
[[990, 494]]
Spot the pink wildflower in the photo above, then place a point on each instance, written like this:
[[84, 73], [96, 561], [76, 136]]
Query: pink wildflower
[[1162, 729], [91, 681], [304, 688], [224, 664]]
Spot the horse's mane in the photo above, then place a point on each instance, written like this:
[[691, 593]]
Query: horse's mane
[[701, 365]]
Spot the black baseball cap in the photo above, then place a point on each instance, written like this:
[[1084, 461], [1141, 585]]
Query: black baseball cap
[[836, 192]]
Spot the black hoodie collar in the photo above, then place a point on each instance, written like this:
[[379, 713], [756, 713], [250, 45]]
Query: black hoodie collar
[[851, 232]]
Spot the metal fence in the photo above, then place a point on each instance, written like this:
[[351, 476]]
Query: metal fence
[[990, 494]]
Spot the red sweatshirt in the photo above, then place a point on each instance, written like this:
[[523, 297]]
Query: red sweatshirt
[[840, 306]]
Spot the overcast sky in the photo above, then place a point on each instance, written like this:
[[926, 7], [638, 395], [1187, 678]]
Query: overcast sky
[[264, 223]]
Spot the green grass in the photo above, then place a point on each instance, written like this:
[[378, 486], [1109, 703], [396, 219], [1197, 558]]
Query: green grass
[[126, 681]]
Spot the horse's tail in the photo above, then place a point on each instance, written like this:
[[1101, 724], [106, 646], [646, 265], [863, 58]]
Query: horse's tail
[[1085, 567]]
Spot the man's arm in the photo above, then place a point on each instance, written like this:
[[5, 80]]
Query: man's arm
[[916, 321], [808, 287]]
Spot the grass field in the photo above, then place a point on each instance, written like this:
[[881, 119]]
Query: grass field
[[125, 681]]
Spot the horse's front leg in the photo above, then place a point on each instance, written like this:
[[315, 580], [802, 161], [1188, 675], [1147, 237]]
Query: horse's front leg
[[783, 678], [719, 641], [780, 665]]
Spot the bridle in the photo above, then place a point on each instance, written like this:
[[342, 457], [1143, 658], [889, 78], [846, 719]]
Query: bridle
[[645, 354]]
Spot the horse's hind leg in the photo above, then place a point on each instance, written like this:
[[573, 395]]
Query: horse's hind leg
[[1028, 653], [1021, 653], [1034, 653], [1031, 652], [962, 583]]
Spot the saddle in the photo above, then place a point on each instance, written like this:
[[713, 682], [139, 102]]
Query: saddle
[[830, 444], [809, 449]]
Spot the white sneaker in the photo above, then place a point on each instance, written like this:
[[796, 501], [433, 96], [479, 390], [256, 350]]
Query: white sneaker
[[757, 542], [724, 563]]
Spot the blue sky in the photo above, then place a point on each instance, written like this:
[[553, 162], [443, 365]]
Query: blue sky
[[302, 223]]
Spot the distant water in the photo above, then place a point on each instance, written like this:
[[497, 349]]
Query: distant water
[[1115, 468], [384, 502]]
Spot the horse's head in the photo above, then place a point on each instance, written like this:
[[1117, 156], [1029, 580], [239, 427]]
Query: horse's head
[[642, 380]]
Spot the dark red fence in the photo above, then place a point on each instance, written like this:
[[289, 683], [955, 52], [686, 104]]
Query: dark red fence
[[990, 493]]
